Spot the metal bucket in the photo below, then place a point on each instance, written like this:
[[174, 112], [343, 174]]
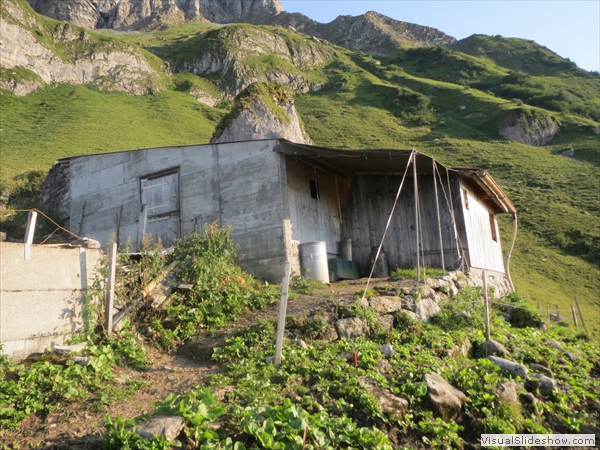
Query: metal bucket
[[346, 249], [313, 260], [381, 266]]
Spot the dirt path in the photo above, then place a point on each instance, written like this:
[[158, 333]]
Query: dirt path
[[79, 425]]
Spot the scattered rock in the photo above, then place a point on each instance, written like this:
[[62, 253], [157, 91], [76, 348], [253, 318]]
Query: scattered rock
[[464, 314], [510, 366], [386, 305], [427, 308], [528, 398], [408, 302], [465, 348], [477, 115], [269, 359], [446, 398], [82, 360], [86, 242], [542, 369], [492, 347], [387, 350], [352, 327], [301, 343], [389, 403], [546, 385], [329, 334], [386, 322], [2, 236], [67, 349], [167, 426], [410, 314], [432, 283], [384, 366], [554, 344], [507, 392], [573, 356]]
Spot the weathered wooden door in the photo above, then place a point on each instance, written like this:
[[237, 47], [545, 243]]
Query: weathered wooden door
[[160, 194]]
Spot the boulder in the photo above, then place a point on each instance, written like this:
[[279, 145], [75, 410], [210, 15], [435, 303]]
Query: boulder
[[427, 308], [507, 392], [446, 398], [528, 398], [167, 426], [432, 283], [542, 369], [510, 366], [544, 384], [329, 334], [410, 314], [492, 347], [389, 403], [386, 305], [465, 348], [352, 327], [386, 322], [66, 349], [387, 350], [554, 344], [384, 366], [408, 302]]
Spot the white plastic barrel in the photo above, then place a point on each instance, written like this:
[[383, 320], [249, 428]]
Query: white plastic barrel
[[313, 260]]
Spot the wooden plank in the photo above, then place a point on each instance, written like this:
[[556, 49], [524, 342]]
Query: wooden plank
[[580, 314], [282, 313], [110, 288]]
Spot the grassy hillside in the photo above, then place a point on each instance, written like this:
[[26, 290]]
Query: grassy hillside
[[441, 102]]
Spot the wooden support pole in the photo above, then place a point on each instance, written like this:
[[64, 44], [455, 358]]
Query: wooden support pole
[[437, 212], [417, 215], [30, 233], [548, 313], [142, 225], [282, 312], [574, 316], [486, 307], [580, 315], [110, 287]]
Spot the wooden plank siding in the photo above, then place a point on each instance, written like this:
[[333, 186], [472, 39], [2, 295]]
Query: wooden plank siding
[[365, 214], [481, 227], [313, 219]]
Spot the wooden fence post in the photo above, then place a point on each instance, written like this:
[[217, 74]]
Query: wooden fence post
[[574, 316], [557, 313], [486, 307], [581, 315], [30, 233], [282, 312], [110, 287]]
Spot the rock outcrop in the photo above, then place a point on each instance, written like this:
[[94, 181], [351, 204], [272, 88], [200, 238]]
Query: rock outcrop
[[83, 59], [232, 54], [372, 32], [262, 111], [145, 14], [527, 129]]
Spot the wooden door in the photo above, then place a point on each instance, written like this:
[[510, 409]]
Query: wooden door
[[160, 194]]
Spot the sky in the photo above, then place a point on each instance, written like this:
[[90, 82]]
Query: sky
[[569, 28]]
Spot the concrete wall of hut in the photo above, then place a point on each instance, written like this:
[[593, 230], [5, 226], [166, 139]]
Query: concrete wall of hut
[[365, 213], [239, 184]]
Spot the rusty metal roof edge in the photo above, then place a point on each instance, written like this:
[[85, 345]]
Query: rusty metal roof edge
[[488, 184]]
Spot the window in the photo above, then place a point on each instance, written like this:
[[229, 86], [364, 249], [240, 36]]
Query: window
[[314, 191], [493, 227]]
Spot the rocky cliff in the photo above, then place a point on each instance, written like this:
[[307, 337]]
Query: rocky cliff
[[529, 128], [68, 54], [371, 32], [243, 54], [262, 111], [143, 14]]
